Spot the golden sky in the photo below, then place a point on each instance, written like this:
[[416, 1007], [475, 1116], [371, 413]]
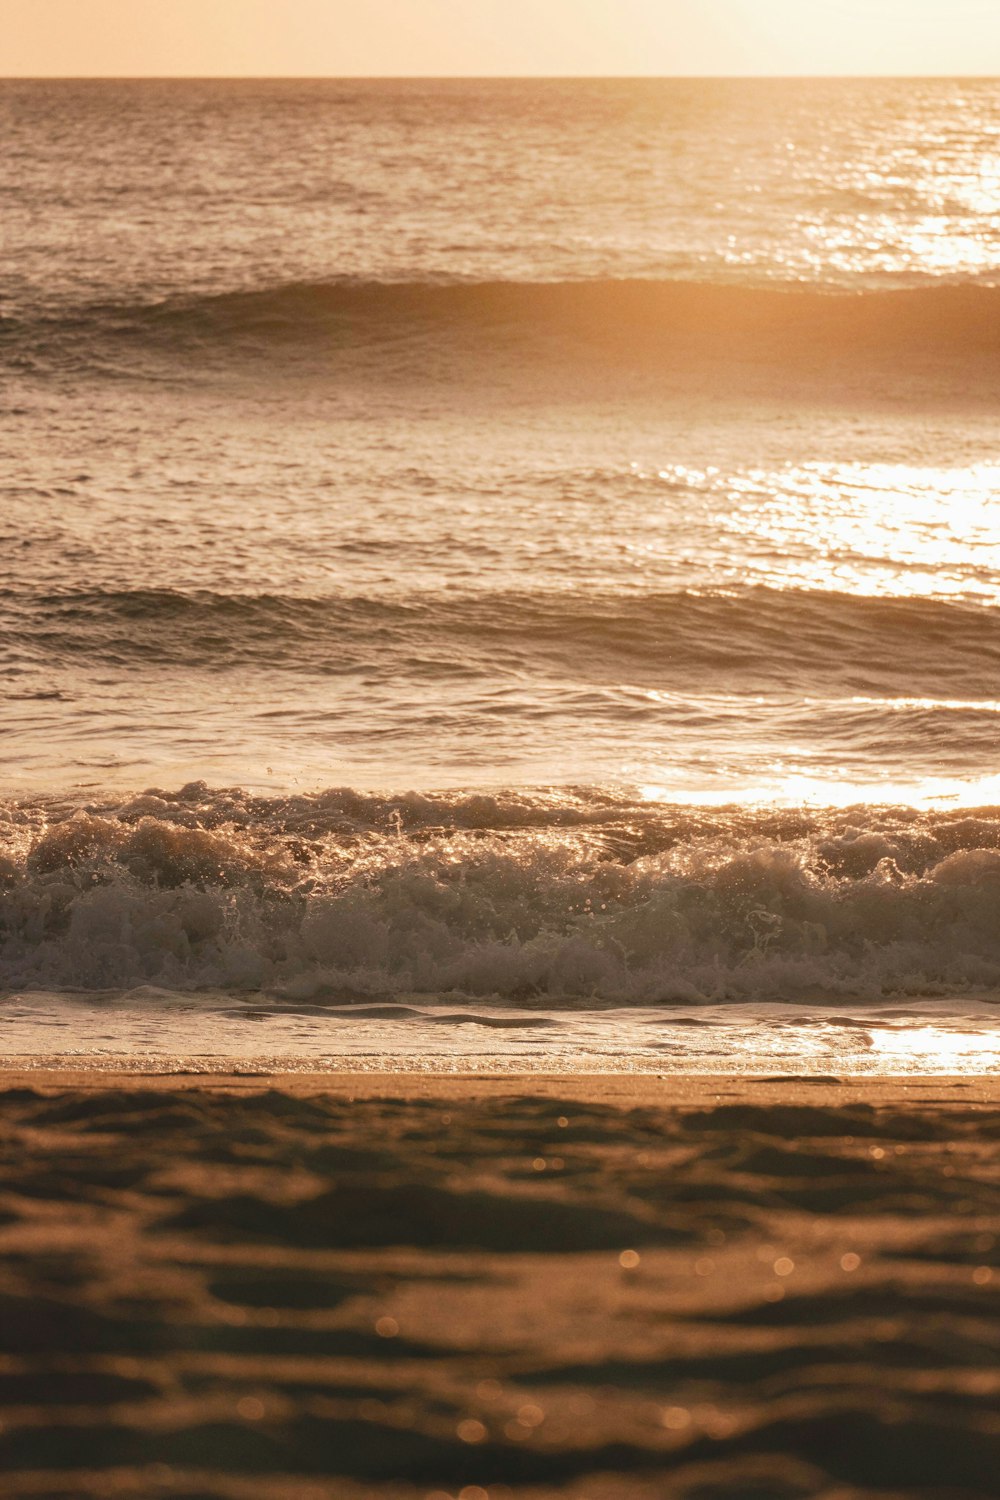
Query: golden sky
[[438, 37]]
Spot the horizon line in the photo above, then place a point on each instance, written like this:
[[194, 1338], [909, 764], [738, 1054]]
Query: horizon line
[[492, 77]]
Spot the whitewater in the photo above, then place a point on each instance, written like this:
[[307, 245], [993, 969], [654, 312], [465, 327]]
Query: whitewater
[[500, 574]]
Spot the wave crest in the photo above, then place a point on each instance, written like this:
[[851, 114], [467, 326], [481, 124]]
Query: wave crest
[[782, 639], [575, 897], [627, 319]]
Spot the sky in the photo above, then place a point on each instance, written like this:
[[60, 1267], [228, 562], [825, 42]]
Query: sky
[[335, 38]]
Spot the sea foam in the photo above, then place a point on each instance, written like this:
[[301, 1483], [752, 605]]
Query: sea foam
[[576, 898]]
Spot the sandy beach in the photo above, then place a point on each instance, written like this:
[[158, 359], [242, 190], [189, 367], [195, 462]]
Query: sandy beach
[[411, 1286]]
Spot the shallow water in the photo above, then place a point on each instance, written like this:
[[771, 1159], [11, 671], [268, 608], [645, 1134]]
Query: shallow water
[[158, 1031]]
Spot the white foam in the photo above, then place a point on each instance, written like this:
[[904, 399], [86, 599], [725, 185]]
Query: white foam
[[580, 898]]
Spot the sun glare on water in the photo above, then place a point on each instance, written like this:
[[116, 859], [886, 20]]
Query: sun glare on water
[[930, 1048], [807, 791]]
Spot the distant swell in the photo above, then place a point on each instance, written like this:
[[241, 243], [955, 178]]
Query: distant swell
[[574, 895], [625, 318], [780, 639]]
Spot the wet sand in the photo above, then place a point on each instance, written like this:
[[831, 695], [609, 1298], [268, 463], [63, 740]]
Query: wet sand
[[408, 1286]]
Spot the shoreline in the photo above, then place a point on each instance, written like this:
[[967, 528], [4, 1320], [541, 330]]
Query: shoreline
[[667, 1089]]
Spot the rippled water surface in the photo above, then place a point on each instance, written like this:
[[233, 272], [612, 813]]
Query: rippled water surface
[[166, 186], [599, 478], [161, 1033]]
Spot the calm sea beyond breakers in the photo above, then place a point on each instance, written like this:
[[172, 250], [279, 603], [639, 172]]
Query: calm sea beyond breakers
[[501, 575]]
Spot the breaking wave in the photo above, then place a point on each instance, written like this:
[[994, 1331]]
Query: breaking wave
[[575, 897]]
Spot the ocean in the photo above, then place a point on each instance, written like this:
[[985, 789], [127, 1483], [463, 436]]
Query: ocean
[[500, 574]]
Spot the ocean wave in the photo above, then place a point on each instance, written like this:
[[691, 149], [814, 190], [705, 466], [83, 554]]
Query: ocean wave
[[630, 318], [576, 897], [784, 639]]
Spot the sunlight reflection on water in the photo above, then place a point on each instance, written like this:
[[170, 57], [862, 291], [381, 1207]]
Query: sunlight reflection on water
[[796, 790], [154, 1030]]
